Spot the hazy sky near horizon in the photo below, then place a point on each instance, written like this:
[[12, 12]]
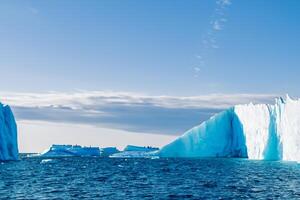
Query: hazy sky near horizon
[[140, 67]]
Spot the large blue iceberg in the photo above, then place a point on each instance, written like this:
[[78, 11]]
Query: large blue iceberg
[[8, 134], [262, 132]]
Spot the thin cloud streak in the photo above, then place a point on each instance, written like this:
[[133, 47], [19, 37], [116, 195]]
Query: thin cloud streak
[[34, 11], [209, 39]]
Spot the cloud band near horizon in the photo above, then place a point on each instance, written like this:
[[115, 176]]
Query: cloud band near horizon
[[169, 115]]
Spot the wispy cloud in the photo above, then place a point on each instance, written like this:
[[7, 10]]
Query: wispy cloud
[[126, 111], [224, 2], [217, 26], [209, 39], [33, 11]]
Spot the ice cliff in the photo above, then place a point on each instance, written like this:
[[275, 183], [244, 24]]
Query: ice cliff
[[8, 134], [262, 131]]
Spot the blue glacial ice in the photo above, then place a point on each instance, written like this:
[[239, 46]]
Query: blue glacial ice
[[262, 132], [108, 151], [8, 134], [70, 151], [139, 148]]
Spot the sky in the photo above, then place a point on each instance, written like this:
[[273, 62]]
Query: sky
[[111, 73]]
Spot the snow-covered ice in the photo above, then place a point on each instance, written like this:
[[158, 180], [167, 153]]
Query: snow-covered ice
[[262, 131]]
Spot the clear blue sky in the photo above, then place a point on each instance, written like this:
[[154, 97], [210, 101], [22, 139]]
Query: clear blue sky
[[149, 46], [171, 47]]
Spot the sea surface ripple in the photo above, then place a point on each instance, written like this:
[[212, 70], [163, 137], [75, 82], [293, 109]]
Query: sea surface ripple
[[104, 178]]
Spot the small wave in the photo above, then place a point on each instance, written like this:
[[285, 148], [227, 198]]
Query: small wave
[[45, 161]]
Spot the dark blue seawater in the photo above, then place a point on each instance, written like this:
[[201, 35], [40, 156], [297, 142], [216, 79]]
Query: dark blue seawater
[[103, 178]]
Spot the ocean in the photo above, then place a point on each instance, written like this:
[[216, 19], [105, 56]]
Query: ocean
[[108, 178]]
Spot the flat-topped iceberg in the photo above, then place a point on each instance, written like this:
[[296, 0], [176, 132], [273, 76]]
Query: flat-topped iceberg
[[108, 151], [262, 131], [131, 151], [8, 134], [70, 151], [138, 148], [57, 151]]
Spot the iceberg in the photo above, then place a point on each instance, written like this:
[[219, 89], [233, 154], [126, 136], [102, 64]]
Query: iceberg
[[138, 148], [56, 151], [134, 154], [131, 151], [107, 151], [261, 132], [8, 134]]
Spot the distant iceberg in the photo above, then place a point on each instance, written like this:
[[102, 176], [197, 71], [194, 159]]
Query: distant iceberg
[[70, 151], [138, 148], [8, 134], [58, 151], [108, 151], [262, 132], [131, 151]]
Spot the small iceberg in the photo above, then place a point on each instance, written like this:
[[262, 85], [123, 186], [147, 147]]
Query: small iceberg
[[46, 161], [131, 151], [56, 151], [140, 149], [108, 151]]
